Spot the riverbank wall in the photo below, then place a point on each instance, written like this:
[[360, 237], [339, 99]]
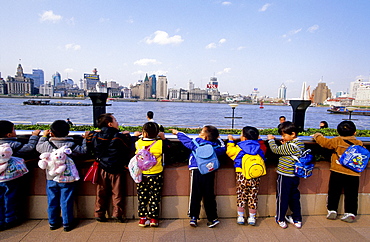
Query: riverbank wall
[[176, 189]]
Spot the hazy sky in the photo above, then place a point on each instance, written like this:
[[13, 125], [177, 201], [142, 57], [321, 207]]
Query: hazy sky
[[246, 44]]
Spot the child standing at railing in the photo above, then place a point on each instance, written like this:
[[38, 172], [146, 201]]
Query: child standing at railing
[[150, 188], [247, 189]]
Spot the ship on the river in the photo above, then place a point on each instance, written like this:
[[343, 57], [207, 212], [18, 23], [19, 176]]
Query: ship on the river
[[349, 110], [47, 102]]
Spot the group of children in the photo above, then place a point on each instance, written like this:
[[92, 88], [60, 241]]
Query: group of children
[[113, 149]]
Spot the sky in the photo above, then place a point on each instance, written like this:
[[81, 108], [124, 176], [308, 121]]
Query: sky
[[246, 44]]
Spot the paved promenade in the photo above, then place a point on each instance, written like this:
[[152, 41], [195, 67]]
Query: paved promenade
[[315, 228]]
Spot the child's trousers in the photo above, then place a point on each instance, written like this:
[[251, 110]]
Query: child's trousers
[[8, 201], [60, 197], [149, 194], [202, 186], [349, 184], [288, 195]]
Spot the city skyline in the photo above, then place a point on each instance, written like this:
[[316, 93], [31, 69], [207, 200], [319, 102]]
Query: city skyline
[[245, 44]]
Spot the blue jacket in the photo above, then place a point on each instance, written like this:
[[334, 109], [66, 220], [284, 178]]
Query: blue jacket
[[219, 147], [251, 147]]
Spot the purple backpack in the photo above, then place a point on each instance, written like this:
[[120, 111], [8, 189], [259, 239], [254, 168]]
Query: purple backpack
[[145, 159]]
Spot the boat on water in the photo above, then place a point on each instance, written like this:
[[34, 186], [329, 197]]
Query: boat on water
[[349, 110], [47, 102]]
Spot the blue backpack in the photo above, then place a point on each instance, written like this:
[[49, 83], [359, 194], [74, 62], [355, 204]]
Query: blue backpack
[[355, 157], [206, 158], [303, 166]]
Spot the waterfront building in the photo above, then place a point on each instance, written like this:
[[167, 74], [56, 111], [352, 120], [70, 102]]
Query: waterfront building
[[198, 94], [19, 85], [282, 92], [142, 89], [3, 87], [191, 85], [161, 90], [37, 76], [126, 93], [56, 78], [112, 84], [47, 89], [321, 93], [153, 82], [362, 95], [90, 81]]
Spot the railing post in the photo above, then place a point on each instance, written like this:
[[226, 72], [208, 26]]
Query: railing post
[[299, 110], [99, 100]]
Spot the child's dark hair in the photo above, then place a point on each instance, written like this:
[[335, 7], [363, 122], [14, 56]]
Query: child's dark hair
[[104, 119], [59, 128], [152, 129], [6, 127], [250, 133], [288, 127], [346, 128], [211, 132]]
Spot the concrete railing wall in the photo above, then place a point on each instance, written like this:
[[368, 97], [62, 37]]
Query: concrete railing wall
[[175, 195]]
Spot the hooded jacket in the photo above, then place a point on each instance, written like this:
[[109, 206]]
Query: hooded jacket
[[236, 152]]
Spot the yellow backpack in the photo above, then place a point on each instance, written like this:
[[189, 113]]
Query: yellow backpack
[[253, 166]]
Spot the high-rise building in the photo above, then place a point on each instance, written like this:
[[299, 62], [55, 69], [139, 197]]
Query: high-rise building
[[321, 93], [56, 78], [161, 89], [38, 77], [153, 81], [213, 83], [355, 85], [282, 92]]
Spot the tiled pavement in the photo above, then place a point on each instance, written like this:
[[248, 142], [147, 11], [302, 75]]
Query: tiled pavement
[[315, 228]]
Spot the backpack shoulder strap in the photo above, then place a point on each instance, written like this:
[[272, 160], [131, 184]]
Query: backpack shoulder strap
[[151, 145], [195, 142], [348, 142], [53, 145]]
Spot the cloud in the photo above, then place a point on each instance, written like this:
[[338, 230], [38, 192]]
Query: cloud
[[163, 38], [289, 81], [211, 46], [50, 16], [313, 28], [291, 33], [104, 20], [214, 45], [72, 47], [264, 7], [225, 70], [241, 48], [145, 62], [226, 3], [69, 70], [221, 41], [130, 20]]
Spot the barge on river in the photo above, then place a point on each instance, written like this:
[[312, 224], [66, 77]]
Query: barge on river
[[349, 110], [47, 102]]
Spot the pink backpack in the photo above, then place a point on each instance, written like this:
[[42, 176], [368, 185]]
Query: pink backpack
[[145, 159]]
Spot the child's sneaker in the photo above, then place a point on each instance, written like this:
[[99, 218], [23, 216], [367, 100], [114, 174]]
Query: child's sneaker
[[143, 222], [282, 224], [153, 222], [193, 222], [348, 217], [297, 224], [213, 223], [240, 220], [252, 221], [332, 215]]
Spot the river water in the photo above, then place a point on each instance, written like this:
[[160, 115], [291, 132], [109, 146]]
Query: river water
[[178, 114]]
